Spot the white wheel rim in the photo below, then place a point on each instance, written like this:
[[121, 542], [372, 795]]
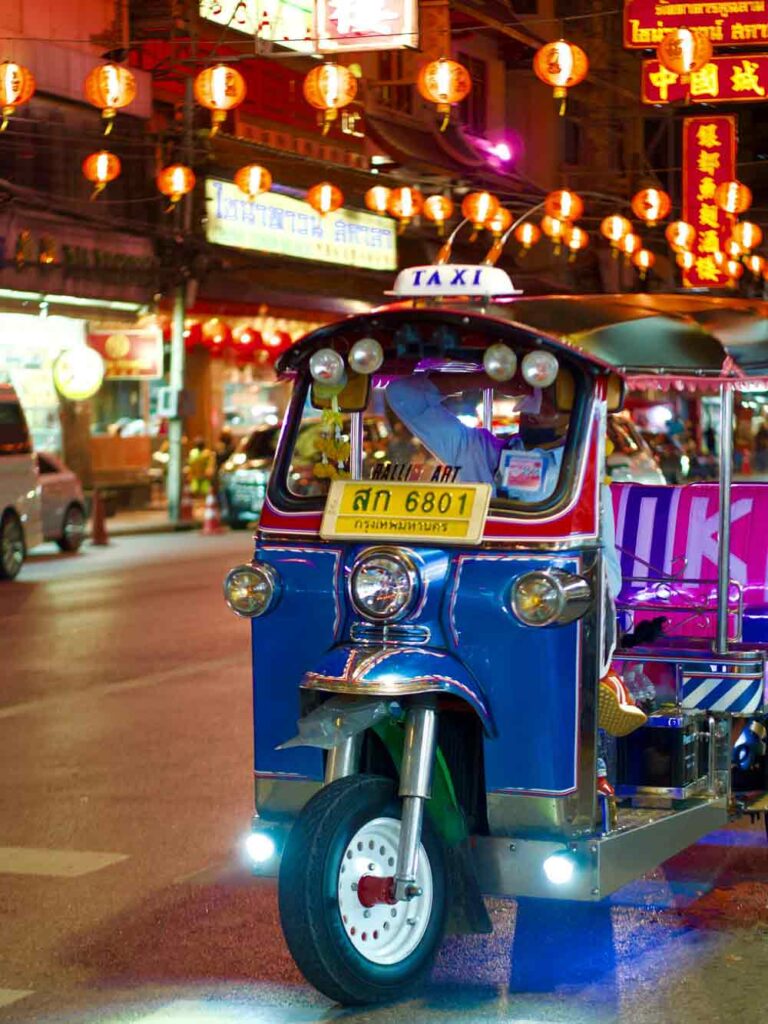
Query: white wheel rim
[[383, 934]]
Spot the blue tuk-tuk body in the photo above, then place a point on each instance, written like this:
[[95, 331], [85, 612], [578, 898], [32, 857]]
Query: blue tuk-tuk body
[[453, 749]]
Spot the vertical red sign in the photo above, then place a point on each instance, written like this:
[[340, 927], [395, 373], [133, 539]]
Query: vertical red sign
[[709, 158]]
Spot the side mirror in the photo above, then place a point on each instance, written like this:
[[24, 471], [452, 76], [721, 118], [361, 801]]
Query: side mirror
[[353, 397]]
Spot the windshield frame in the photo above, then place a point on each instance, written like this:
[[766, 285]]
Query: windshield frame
[[283, 499]]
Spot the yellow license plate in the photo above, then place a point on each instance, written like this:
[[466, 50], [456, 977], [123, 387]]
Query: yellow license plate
[[451, 513]]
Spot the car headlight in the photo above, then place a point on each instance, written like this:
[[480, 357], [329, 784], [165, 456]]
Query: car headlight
[[383, 584], [546, 598], [251, 590]]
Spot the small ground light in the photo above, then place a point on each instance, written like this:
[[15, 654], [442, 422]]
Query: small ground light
[[559, 868], [260, 847]]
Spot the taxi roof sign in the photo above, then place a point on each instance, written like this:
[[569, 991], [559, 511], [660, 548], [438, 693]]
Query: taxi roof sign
[[451, 280]]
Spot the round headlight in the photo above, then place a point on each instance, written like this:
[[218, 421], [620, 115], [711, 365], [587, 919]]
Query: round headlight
[[544, 598], [251, 590], [383, 584]]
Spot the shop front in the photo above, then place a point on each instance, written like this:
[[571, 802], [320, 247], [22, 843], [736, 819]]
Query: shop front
[[63, 286]]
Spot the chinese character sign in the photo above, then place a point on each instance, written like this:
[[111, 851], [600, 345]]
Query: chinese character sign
[[365, 25], [287, 22], [709, 158], [726, 22], [723, 80], [132, 354]]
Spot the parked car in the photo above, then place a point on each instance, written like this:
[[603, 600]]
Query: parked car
[[632, 459], [20, 503], [63, 502], [243, 477]]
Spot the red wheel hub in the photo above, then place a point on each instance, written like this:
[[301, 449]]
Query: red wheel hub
[[372, 891]]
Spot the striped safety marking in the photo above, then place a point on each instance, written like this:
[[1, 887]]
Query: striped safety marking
[[739, 696]]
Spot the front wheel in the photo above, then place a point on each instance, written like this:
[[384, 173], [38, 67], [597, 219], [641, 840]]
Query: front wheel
[[352, 953], [72, 529]]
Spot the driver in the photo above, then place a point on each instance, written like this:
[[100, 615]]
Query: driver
[[419, 401]]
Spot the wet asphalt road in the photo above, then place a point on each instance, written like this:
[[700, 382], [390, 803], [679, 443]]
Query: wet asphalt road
[[124, 793]]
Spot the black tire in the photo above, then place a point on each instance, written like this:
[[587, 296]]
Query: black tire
[[309, 899], [72, 528], [13, 550]]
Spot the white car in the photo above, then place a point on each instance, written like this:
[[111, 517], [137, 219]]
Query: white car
[[63, 503], [21, 525]]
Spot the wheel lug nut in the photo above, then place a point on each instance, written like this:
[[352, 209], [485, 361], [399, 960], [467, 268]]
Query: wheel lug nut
[[411, 921], [366, 913], [371, 867], [354, 887]]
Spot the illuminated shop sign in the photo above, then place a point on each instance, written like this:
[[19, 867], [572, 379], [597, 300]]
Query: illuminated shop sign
[[287, 22], [323, 26], [365, 25], [282, 224], [729, 79], [709, 158], [727, 23], [135, 354]]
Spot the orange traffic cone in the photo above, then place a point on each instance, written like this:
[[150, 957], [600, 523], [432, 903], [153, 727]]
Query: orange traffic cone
[[186, 505], [98, 520], [212, 516]]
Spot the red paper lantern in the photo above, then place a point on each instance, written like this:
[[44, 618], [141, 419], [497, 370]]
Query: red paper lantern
[[175, 181], [478, 207], [325, 198], [614, 228], [328, 88], [553, 228], [193, 334], [17, 86], [747, 235], [527, 234], [245, 342], [651, 205], [561, 65], [217, 337], [377, 198], [219, 89], [575, 238], [253, 180], [444, 82], [500, 222], [438, 209], [564, 205], [733, 197], [404, 204], [101, 168], [684, 51], [110, 87], [681, 235]]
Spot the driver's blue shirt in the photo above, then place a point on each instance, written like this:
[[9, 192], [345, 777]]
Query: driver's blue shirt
[[477, 453]]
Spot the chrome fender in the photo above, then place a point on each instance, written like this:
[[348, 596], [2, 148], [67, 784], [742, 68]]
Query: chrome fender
[[397, 672]]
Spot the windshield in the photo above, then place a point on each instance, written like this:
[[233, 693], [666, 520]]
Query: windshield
[[442, 424]]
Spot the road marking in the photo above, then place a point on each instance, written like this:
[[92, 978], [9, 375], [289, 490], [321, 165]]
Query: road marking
[[26, 860], [12, 995], [150, 679], [188, 1011]]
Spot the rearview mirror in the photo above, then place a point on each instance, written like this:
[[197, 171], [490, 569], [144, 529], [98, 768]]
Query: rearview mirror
[[614, 393]]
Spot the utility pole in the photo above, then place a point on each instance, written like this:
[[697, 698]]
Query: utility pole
[[178, 354]]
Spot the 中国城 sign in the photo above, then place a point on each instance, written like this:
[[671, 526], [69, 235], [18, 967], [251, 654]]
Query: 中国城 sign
[[278, 223], [725, 22], [730, 79]]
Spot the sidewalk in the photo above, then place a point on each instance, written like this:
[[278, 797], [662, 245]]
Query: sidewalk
[[130, 522]]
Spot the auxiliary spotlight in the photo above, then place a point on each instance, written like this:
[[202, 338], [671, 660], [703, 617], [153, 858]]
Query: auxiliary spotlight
[[559, 868], [260, 847]]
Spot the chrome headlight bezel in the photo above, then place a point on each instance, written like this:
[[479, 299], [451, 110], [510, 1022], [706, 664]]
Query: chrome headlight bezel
[[404, 563], [263, 576], [570, 596]]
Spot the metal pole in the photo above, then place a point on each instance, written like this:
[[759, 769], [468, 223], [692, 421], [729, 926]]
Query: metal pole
[[724, 529], [178, 352], [175, 422]]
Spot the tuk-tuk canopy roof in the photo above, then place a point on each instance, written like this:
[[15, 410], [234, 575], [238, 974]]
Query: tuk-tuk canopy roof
[[637, 335]]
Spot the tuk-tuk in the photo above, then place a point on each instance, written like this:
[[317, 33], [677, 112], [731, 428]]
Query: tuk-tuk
[[431, 622]]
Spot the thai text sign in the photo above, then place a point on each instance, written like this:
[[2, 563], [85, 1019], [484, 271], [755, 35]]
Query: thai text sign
[[709, 158], [726, 22], [129, 354], [277, 223], [365, 25], [451, 513], [729, 79]]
